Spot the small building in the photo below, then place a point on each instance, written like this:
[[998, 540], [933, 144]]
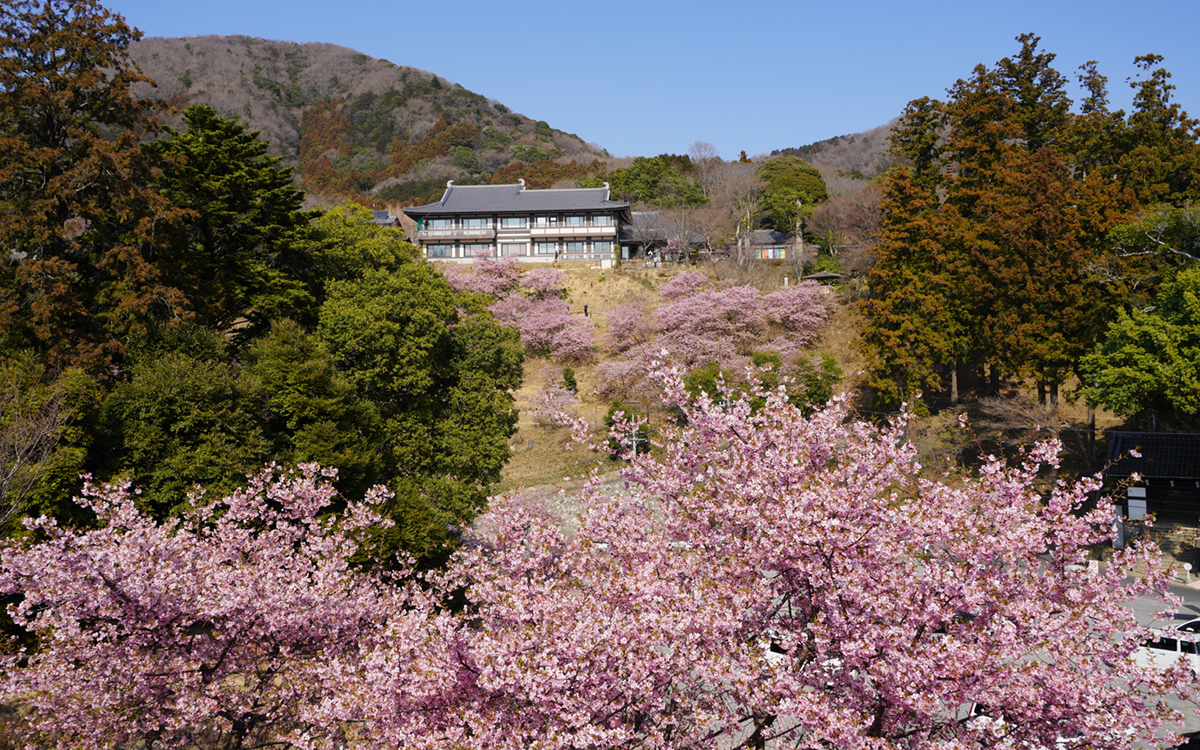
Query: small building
[[1168, 469], [768, 244], [385, 219], [648, 234], [512, 220]]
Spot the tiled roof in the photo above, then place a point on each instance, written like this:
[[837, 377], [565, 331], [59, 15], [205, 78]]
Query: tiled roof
[[1163, 455], [770, 237], [516, 199]]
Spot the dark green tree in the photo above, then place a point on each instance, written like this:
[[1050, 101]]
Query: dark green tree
[[917, 139], [182, 420], [1039, 106], [439, 370], [311, 411], [1161, 157], [1150, 360], [793, 187], [237, 253], [665, 181]]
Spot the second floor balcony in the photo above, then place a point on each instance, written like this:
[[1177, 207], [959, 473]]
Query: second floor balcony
[[457, 233], [566, 230]]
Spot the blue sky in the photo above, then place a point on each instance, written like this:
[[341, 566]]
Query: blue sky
[[643, 78]]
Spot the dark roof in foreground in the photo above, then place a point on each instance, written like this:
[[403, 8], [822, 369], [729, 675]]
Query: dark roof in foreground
[[516, 199], [1163, 455]]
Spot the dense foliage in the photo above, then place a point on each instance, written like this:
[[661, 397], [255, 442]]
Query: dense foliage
[[1150, 359], [772, 580], [171, 316], [1009, 240]]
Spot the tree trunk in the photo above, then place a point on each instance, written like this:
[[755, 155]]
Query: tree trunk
[[1041, 386], [954, 383], [1091, 434]]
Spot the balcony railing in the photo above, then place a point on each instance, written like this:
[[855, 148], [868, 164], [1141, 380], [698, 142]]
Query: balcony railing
[[451, 233], [574, 231]]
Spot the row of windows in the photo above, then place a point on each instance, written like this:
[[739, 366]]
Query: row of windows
[[473, 249], [520, 222]]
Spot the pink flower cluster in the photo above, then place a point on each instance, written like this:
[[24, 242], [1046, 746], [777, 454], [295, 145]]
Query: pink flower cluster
[[772, 580], [695, 325], [532, 303]]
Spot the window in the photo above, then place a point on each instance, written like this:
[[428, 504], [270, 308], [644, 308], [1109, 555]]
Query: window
[[512, 248], [439, 251], [546, 248], [546, 221], [476, 249], [512, 222], [574, 247], [602, 246], [573, 221], [602, 221], [475, 223]]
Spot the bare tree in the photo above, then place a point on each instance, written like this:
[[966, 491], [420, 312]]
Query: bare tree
[[33, 419], [849, 221], [706, 162], [649, 228]]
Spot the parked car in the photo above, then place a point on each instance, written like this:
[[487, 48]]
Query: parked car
[[1166, 649]]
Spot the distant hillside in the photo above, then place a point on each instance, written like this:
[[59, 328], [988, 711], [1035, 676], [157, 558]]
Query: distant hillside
[[355, 125], [860, 155]]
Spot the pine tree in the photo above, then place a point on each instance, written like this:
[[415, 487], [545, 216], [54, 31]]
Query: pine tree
[[236, 252], [78, 220]]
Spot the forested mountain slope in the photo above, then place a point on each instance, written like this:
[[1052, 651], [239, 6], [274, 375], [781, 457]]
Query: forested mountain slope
[[355, 125], [859, 155]]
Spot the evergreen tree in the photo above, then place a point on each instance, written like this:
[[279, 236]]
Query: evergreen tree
[[79, 220], [918, 319], [1022, 195], [1161, 157], [236, 253], [793, 187]]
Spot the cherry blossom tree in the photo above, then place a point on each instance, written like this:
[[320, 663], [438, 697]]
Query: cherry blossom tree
[[493, 276], [777, 580], [532, 302], [683, 285], [545, 282], [212, 630], [696, 326], [801, 309], [770, 580], [628, 326], [735, 314]]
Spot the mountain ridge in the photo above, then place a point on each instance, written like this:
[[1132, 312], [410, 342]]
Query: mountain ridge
[[360, 126]]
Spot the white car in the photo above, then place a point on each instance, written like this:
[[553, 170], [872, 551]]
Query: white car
[[1165, 650]]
